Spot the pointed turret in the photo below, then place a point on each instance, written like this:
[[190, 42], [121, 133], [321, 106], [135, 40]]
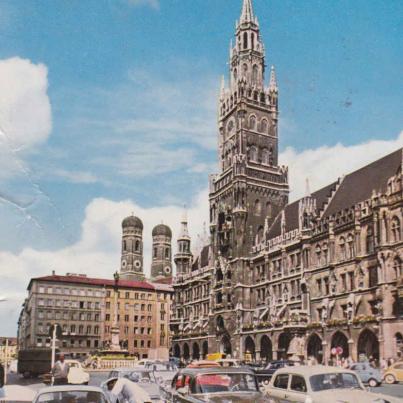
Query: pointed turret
[[247, 14], [273, 80], [184, 234]]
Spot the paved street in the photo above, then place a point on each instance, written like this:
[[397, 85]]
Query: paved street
[[98, 377]]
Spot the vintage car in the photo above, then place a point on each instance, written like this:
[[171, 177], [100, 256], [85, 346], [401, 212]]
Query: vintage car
[[216, 385], [138, 377], [203, 364], [394, 373], [77, 374], [228, 362], [368, 374], [16, 394], [72, 394], [265, 373], [320, 384], [123, 390]]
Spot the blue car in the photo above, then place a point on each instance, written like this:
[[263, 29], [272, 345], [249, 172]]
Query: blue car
[[367, 374]]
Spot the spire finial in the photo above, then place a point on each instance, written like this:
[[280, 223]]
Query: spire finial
[[307, 188], [247, 14], [273, 79]]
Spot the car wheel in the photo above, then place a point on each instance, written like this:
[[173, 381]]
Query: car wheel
[[373, 383], [389, 379]]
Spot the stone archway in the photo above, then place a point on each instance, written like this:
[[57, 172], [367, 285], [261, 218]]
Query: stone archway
[[283, 345], [225, 345], [196, 351], [250, 350], [205, 349], [266, 349], [368, 345], [314, 348], [177, 351], [339, 339], [186, 352]]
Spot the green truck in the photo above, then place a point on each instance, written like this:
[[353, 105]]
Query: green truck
[[34, 362]]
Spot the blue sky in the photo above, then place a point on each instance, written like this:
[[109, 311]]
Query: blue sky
[[132, 90]]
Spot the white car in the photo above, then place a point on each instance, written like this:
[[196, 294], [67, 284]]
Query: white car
[[123, 390], [72, 394], [320, 384], [77, 374], [16, 394]]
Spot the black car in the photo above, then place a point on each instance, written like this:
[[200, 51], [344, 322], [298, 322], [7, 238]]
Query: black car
[[265, 373]]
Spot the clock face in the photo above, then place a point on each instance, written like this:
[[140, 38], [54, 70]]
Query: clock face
[[167, 270], [137, 264], [124, 264]]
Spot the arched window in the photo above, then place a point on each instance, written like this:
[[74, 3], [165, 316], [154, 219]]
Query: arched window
[[245, 69], [255, 72], [235, 75], [318, 251], [155, 253], [263, 126], [252, 37], [369, 240], [258, 207], [124, 246], [252, 122], [397, 268], [342, 245], [265, 156], [167, 253], [350, 242], [396, 234], [259, 235], [137, 246], [253, 153], [245, 40], [269, 209], [219, 297]]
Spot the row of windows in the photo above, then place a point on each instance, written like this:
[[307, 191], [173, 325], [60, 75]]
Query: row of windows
[[73, 328], [68, 303], [69, 291], [135, 247], [136, 295], [42, 342], [68, 316], [136, 307], [167, 253], [264, 155]]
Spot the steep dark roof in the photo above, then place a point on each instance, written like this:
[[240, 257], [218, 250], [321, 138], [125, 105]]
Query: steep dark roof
[[204, 256], [93, 281], [358, 185], [354, 188], [292, 211]]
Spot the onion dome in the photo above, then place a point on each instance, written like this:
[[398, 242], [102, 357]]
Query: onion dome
[[163, 230], [132, 221]]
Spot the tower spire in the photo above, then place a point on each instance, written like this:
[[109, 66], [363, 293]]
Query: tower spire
[[273, 80], [247, 12]]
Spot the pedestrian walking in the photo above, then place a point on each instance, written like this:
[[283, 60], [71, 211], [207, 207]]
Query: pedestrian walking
[[60, 371]]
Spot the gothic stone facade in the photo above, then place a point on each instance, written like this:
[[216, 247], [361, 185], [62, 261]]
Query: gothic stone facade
[[279, 279]]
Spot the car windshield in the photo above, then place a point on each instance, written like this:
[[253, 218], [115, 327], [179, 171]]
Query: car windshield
[[72, 397], [334, 381], [218, 383]]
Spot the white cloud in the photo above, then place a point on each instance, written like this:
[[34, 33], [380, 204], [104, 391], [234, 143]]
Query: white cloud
[[78, 177], [25, 112], [97, 253], [150, 3], [326, 164]]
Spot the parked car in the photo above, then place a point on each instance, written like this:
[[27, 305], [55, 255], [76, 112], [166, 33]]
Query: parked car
[[320, 384], [142, 377], [370, 375], [265, 373], [394, 373], [77, 374], [16, 394], [215, 385], [203, 364], [123, 390], [228, 362], [72, 394]]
